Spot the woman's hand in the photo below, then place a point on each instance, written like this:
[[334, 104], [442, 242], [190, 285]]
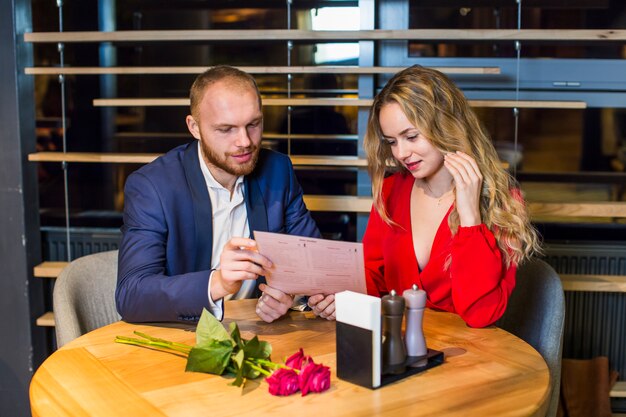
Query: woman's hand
[[323, 305], [468, 182]]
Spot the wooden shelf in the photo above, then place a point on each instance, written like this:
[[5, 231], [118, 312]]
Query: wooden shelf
[[178, 102], [269, 135], [588, 209], [184, 102], [336, 161], [594, 283], [265, 35], [350, 204], [47, 320], [322, 69], [92, 157], [86, 157], [302, 136], [49, 269], [619, 390]]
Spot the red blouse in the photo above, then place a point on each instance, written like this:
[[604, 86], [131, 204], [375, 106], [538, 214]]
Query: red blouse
[[476, 285]]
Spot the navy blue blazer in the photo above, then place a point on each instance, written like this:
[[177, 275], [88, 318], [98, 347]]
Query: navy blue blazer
[[167, 236]]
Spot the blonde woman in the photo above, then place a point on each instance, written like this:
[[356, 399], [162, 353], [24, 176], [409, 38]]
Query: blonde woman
[[450, 218]]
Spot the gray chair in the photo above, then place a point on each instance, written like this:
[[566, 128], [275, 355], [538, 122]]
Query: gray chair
[[84, 296], [536, 314]]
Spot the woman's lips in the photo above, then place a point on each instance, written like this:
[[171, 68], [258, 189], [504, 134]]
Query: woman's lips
[[412, 166]]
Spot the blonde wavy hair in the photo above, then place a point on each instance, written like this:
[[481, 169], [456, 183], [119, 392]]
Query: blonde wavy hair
[[438, 108]]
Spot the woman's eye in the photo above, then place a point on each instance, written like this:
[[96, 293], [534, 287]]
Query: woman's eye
[[413, 137], [390, 142]]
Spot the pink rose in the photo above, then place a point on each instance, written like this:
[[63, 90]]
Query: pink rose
[[314, 378], [295, 361], [283, 382]]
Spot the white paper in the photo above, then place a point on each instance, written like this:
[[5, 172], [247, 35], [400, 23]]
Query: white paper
[[308, 266]]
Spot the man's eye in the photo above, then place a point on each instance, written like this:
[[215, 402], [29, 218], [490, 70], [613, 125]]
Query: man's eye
[[224, 130]]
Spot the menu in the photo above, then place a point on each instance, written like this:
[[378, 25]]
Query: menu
[[308, 266]]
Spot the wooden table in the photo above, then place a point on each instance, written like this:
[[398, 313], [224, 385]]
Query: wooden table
[[486, 372]]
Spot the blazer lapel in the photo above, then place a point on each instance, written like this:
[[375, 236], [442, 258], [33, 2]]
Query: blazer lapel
[[202, 210], [257, 215], [255, 206]]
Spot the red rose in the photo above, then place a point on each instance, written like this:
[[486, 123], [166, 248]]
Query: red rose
[[295, 361], [314, 378], [283, 382]]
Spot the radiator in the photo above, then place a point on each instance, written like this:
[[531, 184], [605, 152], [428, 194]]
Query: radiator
[[83, 241], [595, 322]]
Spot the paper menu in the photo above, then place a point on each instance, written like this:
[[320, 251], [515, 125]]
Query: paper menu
[[308, 266]]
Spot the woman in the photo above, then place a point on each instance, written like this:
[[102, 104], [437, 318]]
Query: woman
[[449, 218]]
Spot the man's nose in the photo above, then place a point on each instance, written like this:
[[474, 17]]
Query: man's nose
[[243, 139]]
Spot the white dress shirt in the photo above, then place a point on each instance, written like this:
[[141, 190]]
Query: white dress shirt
[[230, 219]]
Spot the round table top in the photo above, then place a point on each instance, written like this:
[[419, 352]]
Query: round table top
[[486, 372]]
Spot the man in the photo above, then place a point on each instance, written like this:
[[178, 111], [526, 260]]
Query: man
[[188, 215]]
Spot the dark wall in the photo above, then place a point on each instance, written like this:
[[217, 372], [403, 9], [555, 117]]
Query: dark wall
[[21, 297]]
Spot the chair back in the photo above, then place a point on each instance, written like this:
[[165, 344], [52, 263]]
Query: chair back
[[84, 296], [536, 314]]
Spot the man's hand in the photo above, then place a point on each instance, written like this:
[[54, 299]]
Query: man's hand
[[239, 261], [323, 305], [273, 304]]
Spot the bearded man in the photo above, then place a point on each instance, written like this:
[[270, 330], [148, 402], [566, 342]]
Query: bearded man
[[189, 215]]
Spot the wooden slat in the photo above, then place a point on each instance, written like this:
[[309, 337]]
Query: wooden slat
[[350, 204], [269, 135], [422, 35], [322, 69], [176, 102], [619, 390], [529, 104], [587, 209], [302, 136], [337, 161], [93, 157], [49, 269], [595, 283], [595, 209], [297, 160], [47, 320]]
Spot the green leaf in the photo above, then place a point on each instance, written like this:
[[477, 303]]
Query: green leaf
[[238, 359], [236, 335], [255, 349], [213, 357], [209, 329], [251, 373], [230, 369]]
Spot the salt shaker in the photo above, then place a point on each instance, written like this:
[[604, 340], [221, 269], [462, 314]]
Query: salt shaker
[[394, 350], [414, 336]]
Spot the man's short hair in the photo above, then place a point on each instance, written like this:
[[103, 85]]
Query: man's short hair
[[215, 74]]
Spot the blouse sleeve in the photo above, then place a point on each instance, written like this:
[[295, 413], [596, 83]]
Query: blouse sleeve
[[373, 254], [481, 282]]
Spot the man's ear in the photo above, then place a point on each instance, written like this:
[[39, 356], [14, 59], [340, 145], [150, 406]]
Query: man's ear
[[193, 127]]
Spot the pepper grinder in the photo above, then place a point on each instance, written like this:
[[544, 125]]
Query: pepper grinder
[[414, 336], [394, 350]]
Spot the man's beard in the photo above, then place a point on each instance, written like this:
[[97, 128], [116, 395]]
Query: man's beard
[[222, 162]]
